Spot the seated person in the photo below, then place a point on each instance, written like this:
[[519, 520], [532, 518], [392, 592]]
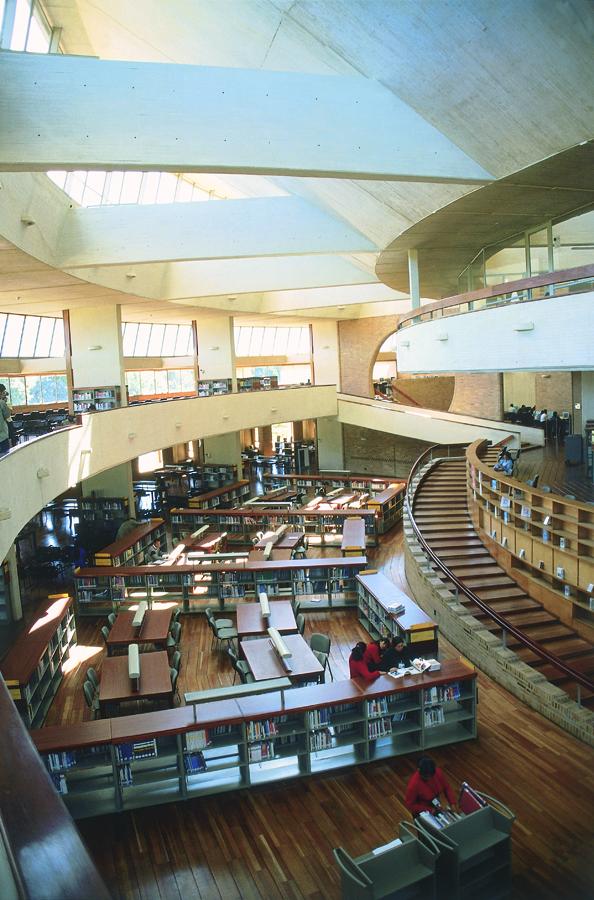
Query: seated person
[[358, 668], [396, 654], [425, 788], [504, 464], [373, 654], [154, 552]]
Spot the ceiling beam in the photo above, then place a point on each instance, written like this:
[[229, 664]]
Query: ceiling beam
[[62, 112]]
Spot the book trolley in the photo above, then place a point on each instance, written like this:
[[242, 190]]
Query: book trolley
[[327, 583], [150, 758]]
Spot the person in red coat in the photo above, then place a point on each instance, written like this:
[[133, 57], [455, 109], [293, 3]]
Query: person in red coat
[[358, 667], [373, 653], [426, 785]]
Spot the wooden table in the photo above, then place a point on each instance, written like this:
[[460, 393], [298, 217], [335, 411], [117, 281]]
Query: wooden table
[[154, 629], [264, 661], [287, 541], [353, 537], [251, 622], [116, 687]]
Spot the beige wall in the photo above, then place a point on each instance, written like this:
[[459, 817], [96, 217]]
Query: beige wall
[[478, 395], [379, 453], [359, 343], [431, 391]]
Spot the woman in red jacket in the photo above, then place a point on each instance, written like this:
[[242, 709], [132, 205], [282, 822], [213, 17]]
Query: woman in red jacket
[[425, 786], [373, 653], [358, 668]]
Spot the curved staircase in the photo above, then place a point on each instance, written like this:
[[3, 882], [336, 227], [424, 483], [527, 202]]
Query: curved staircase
[[441, 514]]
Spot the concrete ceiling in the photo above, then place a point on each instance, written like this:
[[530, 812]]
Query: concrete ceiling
[[508, 95], [557, 187]]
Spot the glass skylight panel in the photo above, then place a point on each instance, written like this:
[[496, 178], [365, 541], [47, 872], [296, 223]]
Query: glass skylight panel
[[183, 193], [256, 342], [130, 330], [29, 336], [12, 335], [114, 184], [169, 340], [142, 339], [131, 187], [21, 25], [44, 336], [280, 341], [243, 335], [59, 178], [149, 188], [183, 345], [39, 37], [155, 343], [167, 187], [75, 185], [268, 341], [57, 348], [3, 320]]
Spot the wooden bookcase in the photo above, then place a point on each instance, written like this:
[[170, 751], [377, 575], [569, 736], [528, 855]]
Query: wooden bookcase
[[214, 387], [260, 383], [32, 669], [131, 549], [247, 741], [377, 597], [103, 509], [544, 540], [327, 583], [241, 523], [103, 398], [234, 493]]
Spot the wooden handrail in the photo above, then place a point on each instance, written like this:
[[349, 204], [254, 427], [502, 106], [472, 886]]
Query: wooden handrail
[[503, 623], [507, 287]]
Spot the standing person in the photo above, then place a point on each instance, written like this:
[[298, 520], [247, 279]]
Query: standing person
[[425, 788], [358, 668], [5, 419]]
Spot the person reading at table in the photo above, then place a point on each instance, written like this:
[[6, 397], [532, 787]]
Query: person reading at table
[[395, 656], [373, 653], [425, 788], [153, 554], [358, 668]]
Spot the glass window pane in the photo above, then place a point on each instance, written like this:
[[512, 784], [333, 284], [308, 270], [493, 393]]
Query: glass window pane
[[156, 340], [187, 380], [149, 187], [115, 180], [167, 186], [147, 383], [133, 382], [33, 388], [142, 339], [268, 341], [75, 185], [242, 345], [183, 193], [12, 335], [48, 388], [21, 25], [256, 342], [59, 178], [61, 389], [183, 343], [129, 338], [16, 387], [57, 348], [38, 40], [29, 336], [573, 242], [3, 319], [539, 252], [44, 336], [169, 340], [280, 342], [95, 185], [161, 382], [131, 187], [174, 381]]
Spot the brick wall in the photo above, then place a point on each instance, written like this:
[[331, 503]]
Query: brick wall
[[478, 395], [431, 391], [377, 453], [359, 343], [553, 391]]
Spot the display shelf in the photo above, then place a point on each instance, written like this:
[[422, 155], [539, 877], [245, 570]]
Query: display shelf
[[257, 383], [132, 548], [32, 669], [386, 611], [214, 387], [103, 509], [223, 745], [232, 494], [102, 397]]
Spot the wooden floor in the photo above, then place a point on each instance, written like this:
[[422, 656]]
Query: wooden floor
[[277, 841], [549, 463]]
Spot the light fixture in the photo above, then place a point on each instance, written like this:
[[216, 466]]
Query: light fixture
[[274, 409], [95, 347], [5, 513], [524, 326], [405, 344], [441, 337], [130, 274], [225, 418], [131, 435], [214, 348], [178, 424], [42, 472], [341, 307], [26, 220]]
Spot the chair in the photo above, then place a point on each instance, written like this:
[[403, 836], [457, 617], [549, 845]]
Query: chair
[[221, 632], [174, 674], [176, 614], [105, 633], [217, 623], [232, 654], [176, 661], [174, 636], [93, 678], [300, 619], [90, 699], [533, 482], [243, 670], [322, 658], [296, 606], [320, 643], [111, 619]]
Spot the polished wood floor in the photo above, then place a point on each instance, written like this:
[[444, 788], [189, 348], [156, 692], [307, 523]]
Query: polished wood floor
[[277, 841]]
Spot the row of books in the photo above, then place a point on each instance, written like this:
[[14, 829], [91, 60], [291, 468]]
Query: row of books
[[128, 752], [263, 750], [64, 760], [433, 716], [442, 693], [379, 728], [197, 740], [194, 762], [377, 707], [256, 731]]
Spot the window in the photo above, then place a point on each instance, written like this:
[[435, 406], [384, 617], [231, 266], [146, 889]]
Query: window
[[115, 188], [30, 336], [33, 390], [148, 462], [148, 339], [270, 341], [160, 382]]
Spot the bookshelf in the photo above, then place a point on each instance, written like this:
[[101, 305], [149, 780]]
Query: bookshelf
[[234, 493], [373, 484], [214, 387], [131, 549], [182, 481], [103, 509], [250, 740], [103, 398], [32, 669], [377, 598], [545, 541], [4, 592], [261, 383], [327, 583], [241, 524]]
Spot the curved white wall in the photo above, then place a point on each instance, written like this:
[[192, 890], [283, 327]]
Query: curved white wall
[[488, 340], [32, 475]]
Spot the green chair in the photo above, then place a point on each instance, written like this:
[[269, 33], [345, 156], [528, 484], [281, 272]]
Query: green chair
[[93, 678], [300, 619], [243, 670], [174, 674], [216, 624], [90, 699], [111, 619], [320, 643], [176, 661], [174, 636], [105, 634]]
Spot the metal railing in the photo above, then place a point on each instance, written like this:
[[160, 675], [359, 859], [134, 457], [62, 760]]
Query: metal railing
[[428, 458]]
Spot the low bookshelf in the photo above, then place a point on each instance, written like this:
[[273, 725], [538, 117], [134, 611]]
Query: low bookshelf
[[386, 611]]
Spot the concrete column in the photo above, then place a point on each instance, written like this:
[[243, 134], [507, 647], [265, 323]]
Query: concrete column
[[97, 360], [325, 356], [224, 449], [266, 441], [216, 349], [16, 609], [413, 278], [330, 445]]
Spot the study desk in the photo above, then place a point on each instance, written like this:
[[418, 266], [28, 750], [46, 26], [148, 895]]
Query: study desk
[[287, 541], [264, 661], [154, 629], [353, 537], [115, 685], [258, 555], [250, 621]]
